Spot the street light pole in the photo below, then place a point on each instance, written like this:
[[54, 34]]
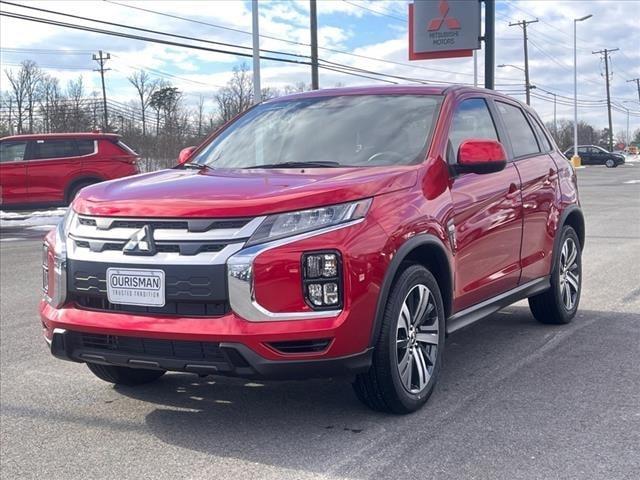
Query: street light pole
[[576, 158], [257, 92]]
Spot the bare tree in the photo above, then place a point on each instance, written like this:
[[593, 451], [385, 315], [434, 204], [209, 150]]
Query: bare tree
[[146, 87], [237, 95], [200, 114], [75, 92], [24, 84]]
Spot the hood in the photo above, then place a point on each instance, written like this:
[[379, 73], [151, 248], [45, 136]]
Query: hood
[[237, 193]]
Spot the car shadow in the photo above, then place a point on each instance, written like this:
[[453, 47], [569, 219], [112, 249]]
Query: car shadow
[[319, 426]]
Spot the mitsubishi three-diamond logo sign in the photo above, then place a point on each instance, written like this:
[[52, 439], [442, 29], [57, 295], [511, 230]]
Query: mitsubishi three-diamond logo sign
[[436, 23], [443, 28]]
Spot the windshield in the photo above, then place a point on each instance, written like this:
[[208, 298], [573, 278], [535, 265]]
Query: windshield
[[359, 130]]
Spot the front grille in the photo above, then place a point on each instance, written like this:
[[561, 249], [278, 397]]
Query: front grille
[[184, 248], [185, 350], [186, 309]]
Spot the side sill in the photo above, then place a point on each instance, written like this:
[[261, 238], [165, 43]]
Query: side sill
[[477, 312]]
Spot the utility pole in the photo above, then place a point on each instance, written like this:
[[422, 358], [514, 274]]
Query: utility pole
[[527, 86], [637, 80], [555, 124], [606, 53], [489, 43], [313, 18], [102, 59]]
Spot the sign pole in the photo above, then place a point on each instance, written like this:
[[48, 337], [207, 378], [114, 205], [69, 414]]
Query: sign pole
[[489, 43]]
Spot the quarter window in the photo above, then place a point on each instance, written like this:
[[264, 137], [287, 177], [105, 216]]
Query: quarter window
[[85, 147], [471, 119], [523, 140], [12, 151], [46, 149]]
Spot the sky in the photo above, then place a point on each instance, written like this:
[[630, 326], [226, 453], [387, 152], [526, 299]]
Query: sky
[[368, 34]]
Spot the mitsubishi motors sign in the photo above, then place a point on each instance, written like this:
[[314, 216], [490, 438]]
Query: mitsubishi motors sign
[[443, 28]]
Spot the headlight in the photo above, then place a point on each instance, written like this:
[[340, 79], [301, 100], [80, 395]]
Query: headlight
[[293, 223]]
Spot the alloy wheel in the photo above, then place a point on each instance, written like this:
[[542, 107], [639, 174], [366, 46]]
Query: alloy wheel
[[417, 339], [569, 274]]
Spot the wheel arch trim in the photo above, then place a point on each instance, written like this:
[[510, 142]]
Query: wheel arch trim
[[404, 252], [572, 211]]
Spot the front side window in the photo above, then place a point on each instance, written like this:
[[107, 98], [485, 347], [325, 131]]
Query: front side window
[[583, 150], [350, 130], [12, 151], [471, 119], [523, 140], [542, 136], [49, 149]]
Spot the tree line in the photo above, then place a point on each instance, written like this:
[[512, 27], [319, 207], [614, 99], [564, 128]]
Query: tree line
[[157, 121]]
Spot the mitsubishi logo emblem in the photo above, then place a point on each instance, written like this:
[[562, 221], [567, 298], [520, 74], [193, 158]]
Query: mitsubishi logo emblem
[[141, 243], [436, 23]]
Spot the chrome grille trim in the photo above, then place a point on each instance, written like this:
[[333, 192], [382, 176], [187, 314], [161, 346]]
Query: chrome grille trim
[[93, 239], [196, 231]]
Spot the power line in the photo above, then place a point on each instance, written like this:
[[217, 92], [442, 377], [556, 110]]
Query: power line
[[377, 12]]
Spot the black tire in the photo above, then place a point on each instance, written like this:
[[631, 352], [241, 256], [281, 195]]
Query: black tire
[[75, 189], [381, 387], [123, 375], [550, 306], [611, 163]]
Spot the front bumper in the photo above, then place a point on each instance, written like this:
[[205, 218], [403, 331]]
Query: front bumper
[[224, 358]]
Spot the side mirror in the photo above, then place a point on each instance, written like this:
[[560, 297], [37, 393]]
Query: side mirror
[[481, 156], [185, 155]]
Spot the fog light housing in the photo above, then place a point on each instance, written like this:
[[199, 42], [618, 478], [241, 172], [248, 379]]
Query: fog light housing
[[322, 279]]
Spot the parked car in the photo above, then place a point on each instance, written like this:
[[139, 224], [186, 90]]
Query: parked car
[[334, 232], [50, 169], [594, 155]]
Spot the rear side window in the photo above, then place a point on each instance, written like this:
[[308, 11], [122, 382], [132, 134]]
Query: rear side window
[[85, 147], [523, 140], [542, 136], [12, 151], [471, 119], [48, 149]]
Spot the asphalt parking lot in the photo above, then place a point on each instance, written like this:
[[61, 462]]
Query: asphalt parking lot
[[517, 399]]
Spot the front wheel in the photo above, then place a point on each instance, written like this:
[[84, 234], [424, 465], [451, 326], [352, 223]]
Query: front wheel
[[124, 375], [610, 163], [559, 304], [408, 355]]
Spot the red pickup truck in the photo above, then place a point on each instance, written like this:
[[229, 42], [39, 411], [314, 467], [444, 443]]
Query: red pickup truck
[[50, 169], [335, 232]]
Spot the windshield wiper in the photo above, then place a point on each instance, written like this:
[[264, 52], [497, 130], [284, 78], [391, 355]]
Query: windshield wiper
[[195, 166], [298, 165]]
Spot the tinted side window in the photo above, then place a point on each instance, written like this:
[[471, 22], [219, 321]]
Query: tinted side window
[[12, 151], [542, 136], [85, 147], [44, 149], [471, 119], [523, 141], [583, 150]]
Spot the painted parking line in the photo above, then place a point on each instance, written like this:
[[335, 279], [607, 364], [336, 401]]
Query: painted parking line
[[631, 182]]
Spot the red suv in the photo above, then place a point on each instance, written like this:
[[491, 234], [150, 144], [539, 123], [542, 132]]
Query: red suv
[[335, 232], [50, 169]]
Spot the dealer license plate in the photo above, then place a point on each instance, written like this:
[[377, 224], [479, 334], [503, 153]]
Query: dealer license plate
[[135, 287]]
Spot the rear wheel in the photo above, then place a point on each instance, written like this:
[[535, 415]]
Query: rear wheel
[[75, 189], [559, 304], [408, 354], [124, 375]]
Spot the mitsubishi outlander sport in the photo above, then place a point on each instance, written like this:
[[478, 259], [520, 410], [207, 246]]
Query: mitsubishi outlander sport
[[334, 232]]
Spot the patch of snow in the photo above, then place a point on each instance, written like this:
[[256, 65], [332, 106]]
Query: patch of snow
[[47, 218]]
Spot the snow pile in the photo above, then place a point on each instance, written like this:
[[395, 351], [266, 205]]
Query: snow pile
[[44, 218]]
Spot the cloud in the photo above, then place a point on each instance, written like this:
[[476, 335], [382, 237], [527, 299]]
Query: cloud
[[352, 27]]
